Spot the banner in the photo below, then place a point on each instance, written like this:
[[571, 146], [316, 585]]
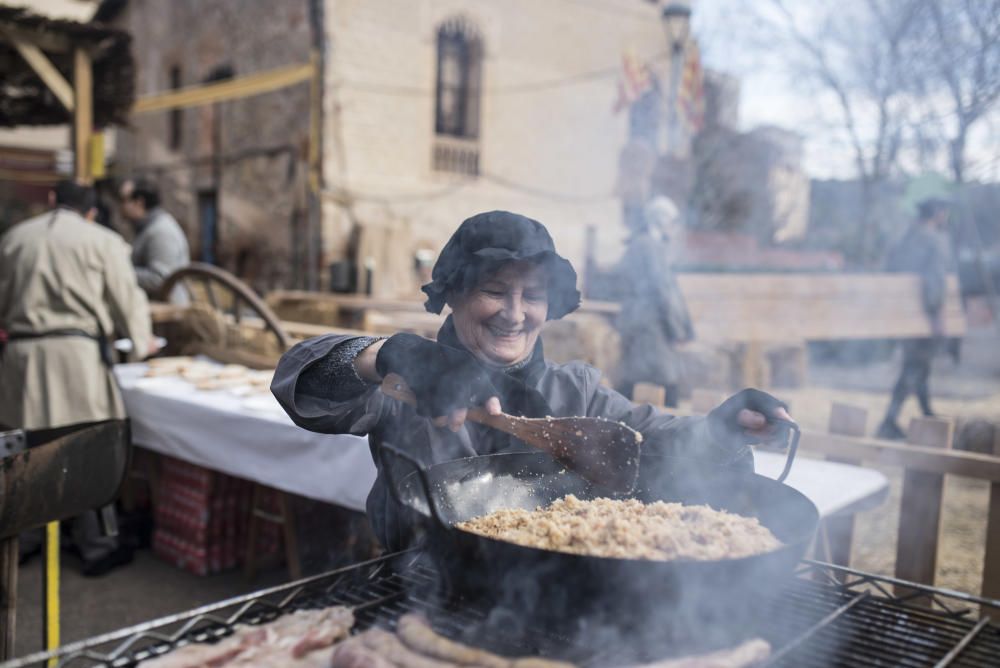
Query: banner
[[634, 82], [690, 92]]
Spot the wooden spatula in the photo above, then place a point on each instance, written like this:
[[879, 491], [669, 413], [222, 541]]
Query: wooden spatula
[[602, 451]]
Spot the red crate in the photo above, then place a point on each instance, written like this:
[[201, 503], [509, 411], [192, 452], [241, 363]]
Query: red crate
[[201, 518]]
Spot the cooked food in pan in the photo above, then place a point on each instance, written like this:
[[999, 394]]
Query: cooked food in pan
[[628, 529]]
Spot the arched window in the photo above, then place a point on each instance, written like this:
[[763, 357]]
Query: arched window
[[456, 109]]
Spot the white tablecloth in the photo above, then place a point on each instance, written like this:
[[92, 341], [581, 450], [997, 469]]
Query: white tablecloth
[[253, 438], [836, 489], [249, 437]]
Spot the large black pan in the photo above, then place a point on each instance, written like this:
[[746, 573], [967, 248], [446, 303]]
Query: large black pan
[[568, 592]]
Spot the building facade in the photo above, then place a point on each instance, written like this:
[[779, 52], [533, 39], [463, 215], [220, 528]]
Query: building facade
[[432, 110]]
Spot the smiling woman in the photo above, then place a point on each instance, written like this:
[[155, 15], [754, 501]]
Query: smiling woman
[[499, 320], [502, 277]]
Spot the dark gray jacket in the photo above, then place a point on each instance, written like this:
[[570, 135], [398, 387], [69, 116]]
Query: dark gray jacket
[[572, 389], [924, 252]]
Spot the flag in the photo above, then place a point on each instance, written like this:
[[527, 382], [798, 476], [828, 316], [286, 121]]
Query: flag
[[635, 80], [690, 93]]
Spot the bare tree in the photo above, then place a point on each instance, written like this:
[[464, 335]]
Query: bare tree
[[855, 54], [954, 66]]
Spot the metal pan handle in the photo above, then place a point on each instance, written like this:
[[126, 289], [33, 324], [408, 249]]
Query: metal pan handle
[[794, 433], [425, 484]]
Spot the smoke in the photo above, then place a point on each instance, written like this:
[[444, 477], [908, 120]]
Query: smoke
[[609, 611]]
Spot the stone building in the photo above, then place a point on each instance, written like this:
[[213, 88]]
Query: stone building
[[432, 110], [746, 182]]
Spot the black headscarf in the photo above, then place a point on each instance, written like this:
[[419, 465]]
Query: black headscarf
[[484, 242]]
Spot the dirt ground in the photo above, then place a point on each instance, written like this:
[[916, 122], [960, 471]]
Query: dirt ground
[[963, 518], [969, 389]]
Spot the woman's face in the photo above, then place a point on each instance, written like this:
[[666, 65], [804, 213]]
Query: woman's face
[[500, 319]]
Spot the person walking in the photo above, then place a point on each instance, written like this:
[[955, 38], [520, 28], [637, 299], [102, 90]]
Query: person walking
[[923, 250], [67, 287]]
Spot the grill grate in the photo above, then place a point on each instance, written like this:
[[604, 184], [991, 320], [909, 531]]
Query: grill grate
[[829, 616]]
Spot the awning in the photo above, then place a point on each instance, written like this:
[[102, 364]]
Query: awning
[[52, 45]]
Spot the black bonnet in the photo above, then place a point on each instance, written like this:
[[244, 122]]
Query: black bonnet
[[484, 242]]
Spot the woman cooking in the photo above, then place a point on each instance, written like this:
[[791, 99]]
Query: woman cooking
[[502, 278]]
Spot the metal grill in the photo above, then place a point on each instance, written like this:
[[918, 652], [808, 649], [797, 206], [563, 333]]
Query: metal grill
[[829, 616]]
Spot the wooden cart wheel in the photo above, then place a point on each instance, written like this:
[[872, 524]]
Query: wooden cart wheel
[[232, 299]]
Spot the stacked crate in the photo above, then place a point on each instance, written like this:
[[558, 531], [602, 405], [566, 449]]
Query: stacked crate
[[201, 518]]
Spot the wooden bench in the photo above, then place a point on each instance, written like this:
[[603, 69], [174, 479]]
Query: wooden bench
[[761, 311], [750, 313]]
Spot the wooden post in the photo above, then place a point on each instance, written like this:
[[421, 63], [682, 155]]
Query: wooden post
[[920, 511], [83, 112], [754, 365], [282, 517], [703, 401], [291, 537], [649, 393], [848, 421], [991, 566], [250, 554], [8, 596]]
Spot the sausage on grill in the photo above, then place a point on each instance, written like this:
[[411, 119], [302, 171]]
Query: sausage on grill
[[390, 647], [418, 635], [353, 654], [749, 653]]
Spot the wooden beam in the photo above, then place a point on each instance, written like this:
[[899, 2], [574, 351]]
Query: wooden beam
[[920, 508], [46, 71], [231, 89], [45, 40], [83, 114], [305, 330], [890, 453]]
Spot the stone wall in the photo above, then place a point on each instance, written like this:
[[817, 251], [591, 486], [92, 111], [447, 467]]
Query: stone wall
[[261, 142]]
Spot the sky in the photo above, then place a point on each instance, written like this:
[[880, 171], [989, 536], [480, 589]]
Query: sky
[[770, 96]]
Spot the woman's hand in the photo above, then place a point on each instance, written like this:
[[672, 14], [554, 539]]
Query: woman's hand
[[756, 424], [446, 381], [746, 417], [456, 418]]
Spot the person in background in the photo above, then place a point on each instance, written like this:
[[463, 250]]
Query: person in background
[[67, 288], [654, 317], [159, 247], [923, 250]]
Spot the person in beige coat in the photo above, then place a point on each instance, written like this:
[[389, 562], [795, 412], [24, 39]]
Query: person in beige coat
[[67, 289]]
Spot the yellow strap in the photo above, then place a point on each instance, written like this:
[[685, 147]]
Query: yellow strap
[[97, 155], [52, 588], [232, 89]]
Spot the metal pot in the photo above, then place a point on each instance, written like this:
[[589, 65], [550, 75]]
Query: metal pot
[[568, 593]]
